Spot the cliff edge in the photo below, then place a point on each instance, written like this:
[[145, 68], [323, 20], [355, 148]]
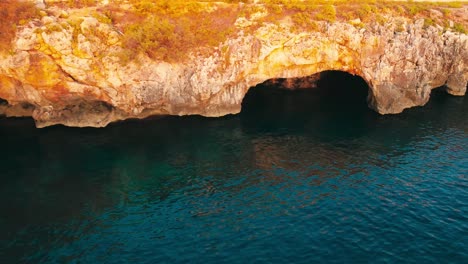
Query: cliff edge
[[71, 66]]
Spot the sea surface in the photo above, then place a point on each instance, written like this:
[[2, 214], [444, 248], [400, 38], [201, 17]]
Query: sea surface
[[305, 176]]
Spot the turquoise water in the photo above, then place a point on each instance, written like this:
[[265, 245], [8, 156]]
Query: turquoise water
[[298, 177]]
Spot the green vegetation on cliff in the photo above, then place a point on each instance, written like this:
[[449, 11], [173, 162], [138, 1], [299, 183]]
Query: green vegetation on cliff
[[168, 29], [171, 29]]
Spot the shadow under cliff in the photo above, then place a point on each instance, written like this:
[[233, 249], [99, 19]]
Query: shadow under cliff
[[336, 101]]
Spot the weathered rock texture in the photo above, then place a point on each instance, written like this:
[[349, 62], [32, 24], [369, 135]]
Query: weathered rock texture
[[65, 69]]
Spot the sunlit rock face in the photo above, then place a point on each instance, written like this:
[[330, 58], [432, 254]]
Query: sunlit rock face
[[72, 75]]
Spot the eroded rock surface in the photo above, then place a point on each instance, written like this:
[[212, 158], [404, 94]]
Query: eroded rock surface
[[65, 69]]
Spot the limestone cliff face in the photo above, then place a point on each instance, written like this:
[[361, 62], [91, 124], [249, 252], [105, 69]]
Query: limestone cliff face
[[65, 69]]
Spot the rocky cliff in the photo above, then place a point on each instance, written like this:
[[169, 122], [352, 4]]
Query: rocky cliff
[[64, 68]]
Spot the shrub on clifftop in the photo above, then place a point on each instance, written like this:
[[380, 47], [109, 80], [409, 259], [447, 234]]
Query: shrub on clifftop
[[327, 13]]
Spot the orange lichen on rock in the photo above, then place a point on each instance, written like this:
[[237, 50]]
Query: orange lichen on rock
[[43, 71], [14, 13], [7, 87]]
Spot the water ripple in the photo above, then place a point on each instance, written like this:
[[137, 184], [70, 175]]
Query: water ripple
[[380, 189]]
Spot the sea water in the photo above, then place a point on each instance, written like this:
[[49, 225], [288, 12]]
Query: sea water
[[306, 176]]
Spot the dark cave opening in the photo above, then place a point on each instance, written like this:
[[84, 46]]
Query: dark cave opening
[[3, 102], [327, 93], [3, 107]]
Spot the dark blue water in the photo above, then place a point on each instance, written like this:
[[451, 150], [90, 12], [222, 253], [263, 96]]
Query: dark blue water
[[301, 177]]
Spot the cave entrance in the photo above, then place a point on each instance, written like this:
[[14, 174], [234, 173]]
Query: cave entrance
[[329, 92], [3, 106], [329, 101]]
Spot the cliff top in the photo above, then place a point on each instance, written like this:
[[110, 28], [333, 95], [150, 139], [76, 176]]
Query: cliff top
[[169, 30]]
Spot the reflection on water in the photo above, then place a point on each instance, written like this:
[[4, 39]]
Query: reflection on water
[[302, 176]]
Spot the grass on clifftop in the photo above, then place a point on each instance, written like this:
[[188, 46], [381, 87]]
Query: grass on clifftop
[[171, 29], [168, 29]]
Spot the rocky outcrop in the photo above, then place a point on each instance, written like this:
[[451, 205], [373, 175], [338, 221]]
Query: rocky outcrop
[[65, 68]]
